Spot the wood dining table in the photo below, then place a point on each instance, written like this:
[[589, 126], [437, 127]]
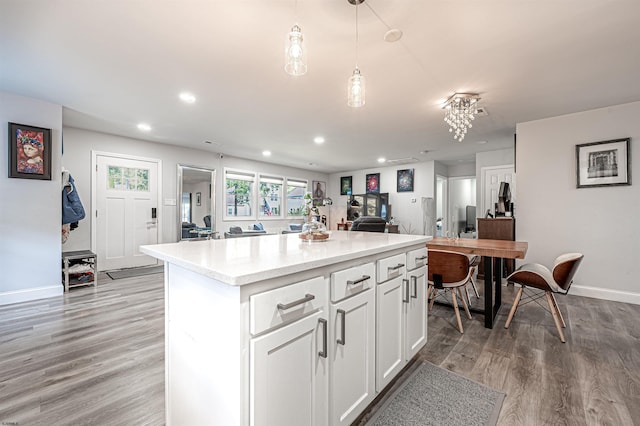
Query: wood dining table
[[493, 252]]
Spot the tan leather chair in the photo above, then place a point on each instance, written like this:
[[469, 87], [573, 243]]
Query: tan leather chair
[[448, 270], [558, 280]]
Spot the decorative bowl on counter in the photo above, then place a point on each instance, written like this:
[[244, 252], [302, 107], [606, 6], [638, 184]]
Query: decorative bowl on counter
[[314, 231]]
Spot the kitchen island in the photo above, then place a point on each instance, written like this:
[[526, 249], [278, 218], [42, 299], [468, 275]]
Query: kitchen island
[[274, 330]]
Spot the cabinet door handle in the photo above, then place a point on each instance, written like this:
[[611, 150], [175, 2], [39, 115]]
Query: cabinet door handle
[[405, 283], [414, 281], [422, 257], [342, 340], [398, 266], [359, 280], [305, 299], [323, 352]]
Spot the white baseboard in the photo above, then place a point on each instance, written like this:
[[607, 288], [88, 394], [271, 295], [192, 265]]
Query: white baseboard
[[18, 296], [606, 294]]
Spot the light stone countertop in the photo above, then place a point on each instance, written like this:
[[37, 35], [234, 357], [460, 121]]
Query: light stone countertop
[[240, 261]]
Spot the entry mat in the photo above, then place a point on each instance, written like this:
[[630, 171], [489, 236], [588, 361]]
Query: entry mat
[[435, 396], [135, 272]]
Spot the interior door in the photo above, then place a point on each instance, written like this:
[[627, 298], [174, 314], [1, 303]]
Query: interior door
[[491, 178], [127, 211]]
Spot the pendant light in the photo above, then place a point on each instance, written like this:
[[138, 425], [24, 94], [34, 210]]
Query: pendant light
[[294, 52], [356, 86]]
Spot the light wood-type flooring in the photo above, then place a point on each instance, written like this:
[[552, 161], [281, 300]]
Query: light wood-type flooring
[[96, 357]]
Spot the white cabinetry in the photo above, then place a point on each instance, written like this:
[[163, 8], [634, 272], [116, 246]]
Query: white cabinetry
[[352, 347], [401, 313], [289, 369], [416, 307], [389, 318]]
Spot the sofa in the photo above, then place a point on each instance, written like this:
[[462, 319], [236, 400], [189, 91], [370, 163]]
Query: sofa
[[369, 224]]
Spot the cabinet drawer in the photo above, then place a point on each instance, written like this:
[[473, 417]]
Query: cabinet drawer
[[416, 258], [391, 267], [286, 304], [351, 281]]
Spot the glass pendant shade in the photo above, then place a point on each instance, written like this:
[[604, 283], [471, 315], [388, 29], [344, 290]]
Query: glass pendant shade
[[356, 89], [295, 55]]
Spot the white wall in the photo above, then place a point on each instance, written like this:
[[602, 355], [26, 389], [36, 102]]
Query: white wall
[[30, 210], [555, 217], [406, 211], [78, 145]]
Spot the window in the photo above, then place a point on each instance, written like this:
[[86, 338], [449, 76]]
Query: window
[[295, 197], [239, 194], [128, 179], [270, 196]]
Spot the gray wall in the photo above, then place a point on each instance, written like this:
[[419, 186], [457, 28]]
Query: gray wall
[[30, 210], [556, 217]]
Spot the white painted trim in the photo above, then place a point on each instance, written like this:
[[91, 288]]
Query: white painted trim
[[30, 294], [94, 205], [605, 294]]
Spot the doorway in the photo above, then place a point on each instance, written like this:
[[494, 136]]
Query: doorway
[[126, 190], [490, 185]]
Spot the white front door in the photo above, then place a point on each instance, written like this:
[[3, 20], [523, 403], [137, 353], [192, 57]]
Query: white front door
[[127, 210], [491, 178]]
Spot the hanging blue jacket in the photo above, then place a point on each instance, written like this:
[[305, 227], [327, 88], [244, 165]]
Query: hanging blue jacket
[[72, 210]]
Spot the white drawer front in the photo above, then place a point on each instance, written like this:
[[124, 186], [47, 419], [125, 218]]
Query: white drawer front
[[286, 304], [391, 267], [351, 281], [416, 258]]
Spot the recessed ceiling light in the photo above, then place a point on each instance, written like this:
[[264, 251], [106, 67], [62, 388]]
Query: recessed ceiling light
[[266, 153], [381, 160], [144, 127], [318, 140], [187, 97]]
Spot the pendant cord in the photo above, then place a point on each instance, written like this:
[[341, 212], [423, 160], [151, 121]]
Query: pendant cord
[[356, 35]]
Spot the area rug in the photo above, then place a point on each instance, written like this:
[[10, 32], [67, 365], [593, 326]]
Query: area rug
[[135, 272], [434, 396]]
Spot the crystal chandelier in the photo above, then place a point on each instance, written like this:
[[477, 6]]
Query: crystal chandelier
[[356, 85], [460, 110], [295, 57]]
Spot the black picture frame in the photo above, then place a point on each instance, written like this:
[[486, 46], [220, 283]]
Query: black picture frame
[[405, 180], [346, 185], [29, 152], [373, 183], [605, 163], [198, 198]]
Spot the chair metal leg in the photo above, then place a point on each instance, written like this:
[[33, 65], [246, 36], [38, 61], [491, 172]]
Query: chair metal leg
[[554, 313], [455, 308], [514, 307], [464, 302], [555, 303]]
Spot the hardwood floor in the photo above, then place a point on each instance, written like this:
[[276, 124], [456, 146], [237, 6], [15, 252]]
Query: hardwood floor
[[96, 357]]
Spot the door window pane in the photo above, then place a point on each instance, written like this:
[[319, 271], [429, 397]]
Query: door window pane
[[127, 179]]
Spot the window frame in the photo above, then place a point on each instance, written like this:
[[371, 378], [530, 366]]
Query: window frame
[[238, 174]]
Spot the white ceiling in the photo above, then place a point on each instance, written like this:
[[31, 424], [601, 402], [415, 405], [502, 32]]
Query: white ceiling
[[113, 64]]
